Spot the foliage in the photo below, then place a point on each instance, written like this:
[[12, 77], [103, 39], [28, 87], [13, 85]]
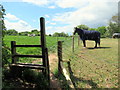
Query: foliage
[[83, 27], [102, 30], [36, 32], [24, 33], [113, 26], [62, 34], [11, 32], [5, 51]]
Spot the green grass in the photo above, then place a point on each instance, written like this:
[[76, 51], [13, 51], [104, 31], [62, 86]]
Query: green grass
[[96, 68], [25, 40], [90, 68]]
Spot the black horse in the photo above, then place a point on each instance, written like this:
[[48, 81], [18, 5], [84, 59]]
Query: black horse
[[88, 35]]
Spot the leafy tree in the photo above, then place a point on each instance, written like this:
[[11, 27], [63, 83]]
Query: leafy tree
[[24, 33], [62, 34], [5, 51], [11, 32], [36, 32], [83, 27], [113, 26], [92, 29], [102, 30]]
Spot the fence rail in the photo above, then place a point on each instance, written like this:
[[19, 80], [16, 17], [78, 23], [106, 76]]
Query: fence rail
[[27, 45]]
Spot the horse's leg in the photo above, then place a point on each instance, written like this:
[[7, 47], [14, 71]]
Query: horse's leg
[[99, 42], [84, 43], [95, 44]]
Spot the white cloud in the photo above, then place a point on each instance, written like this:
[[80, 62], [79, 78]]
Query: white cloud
[[93, 13], [47, 16], [11, 17], [70, 3], [52, 29], [18, 25], [37, 2], [53, 23], [52, 7], [78, 3]]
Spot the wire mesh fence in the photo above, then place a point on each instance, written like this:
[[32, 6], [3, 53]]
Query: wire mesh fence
[[99, 66]]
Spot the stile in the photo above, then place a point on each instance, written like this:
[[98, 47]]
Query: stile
[[45, 66]]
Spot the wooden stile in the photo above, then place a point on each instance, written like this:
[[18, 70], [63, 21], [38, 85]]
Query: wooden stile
[[45, 66]]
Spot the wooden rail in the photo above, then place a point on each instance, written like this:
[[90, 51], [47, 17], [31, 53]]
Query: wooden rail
[[33, 56], [27, 45]]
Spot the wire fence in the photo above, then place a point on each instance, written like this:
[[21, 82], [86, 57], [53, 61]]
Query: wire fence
[[84, 63]]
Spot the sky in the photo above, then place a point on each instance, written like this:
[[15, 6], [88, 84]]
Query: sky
[[60, 15]]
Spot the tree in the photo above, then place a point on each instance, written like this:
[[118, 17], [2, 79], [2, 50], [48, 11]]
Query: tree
[[11, 32], [24, 33], [5, 51], [36, 32], [113, 26], [83, 27], [102, 30], [62, 34]]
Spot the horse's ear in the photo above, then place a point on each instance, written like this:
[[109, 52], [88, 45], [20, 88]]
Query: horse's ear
[[75, 27]]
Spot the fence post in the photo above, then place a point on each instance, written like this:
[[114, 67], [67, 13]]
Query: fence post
[[43, 42], [78, 41], [73, 43], [59, 56], [13, 51]]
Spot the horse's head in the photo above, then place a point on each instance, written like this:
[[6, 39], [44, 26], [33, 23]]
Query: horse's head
[[75, 30]]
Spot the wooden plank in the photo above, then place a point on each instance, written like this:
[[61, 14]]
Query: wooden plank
[[69, 81], [34, 56], [27, 45], [28, 66]]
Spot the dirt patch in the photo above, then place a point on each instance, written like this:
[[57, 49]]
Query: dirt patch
[[53, 61], [54, 83]]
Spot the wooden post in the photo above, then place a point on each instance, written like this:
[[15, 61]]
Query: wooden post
[[59, 56], [73, 44], [78, 41], [48, 70], [13, 51], [43, 42]]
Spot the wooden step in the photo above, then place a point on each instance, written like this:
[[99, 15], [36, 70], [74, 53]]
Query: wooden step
[[34, 56], [26, 65]]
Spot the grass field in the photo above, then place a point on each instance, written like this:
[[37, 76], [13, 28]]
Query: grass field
[[89, 67], [25, 40], [95, 68]]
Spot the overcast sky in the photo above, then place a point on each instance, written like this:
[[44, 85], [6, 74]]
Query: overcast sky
[[60, 15]]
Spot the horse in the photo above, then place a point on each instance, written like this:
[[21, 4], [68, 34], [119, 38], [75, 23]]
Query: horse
[[88, 35]]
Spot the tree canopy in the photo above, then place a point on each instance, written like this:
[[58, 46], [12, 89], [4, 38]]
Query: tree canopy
[[62, 34]]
